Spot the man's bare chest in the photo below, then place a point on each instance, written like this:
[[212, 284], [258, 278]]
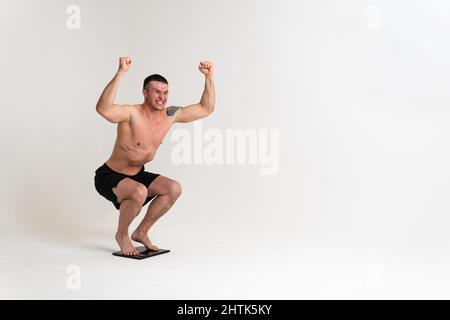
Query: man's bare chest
[[148, 132]]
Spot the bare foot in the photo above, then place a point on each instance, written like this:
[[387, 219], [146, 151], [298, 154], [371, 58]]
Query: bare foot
[[144, 239], [126, 246]]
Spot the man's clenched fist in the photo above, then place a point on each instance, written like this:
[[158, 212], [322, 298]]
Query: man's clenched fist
[[124, 64], [207, 68]]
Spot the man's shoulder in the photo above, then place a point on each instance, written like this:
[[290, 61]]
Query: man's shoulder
[[172, 110], [132, 108]]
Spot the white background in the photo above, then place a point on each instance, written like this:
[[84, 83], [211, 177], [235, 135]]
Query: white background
[[358, 208]]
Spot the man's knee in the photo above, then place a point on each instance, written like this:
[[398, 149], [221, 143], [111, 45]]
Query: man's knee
[[175, 190], [139, 194]]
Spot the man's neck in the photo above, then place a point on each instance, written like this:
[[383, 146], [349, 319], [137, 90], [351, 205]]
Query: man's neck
[[151, 112]]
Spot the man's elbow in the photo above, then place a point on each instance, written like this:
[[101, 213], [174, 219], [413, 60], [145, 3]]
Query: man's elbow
[[102, 107], [209, 108], [99, 106]]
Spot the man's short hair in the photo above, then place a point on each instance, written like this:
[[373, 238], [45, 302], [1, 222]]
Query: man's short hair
[[154, 77]]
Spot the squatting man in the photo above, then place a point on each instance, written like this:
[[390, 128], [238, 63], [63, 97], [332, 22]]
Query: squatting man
[[141, 128]]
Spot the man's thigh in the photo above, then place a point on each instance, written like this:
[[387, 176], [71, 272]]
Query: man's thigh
[[128, 188]]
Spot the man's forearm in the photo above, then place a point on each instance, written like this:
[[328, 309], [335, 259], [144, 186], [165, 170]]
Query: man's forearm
[[209, 95], [109, 93]]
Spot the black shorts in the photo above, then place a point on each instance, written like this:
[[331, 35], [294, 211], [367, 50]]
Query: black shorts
[[106, 179]]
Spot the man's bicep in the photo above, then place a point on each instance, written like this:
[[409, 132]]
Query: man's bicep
[[190, 113], [116, 113]]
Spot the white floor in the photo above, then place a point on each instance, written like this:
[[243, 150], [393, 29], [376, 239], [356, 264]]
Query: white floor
[[207, 264]]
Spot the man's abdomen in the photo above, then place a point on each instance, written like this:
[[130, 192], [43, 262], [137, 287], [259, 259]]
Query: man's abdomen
[[130, 159]]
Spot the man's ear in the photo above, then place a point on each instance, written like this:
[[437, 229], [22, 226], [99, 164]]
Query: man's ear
[[144, 93]]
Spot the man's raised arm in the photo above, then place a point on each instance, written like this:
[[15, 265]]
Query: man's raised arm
[[207, 102], [105, 105]]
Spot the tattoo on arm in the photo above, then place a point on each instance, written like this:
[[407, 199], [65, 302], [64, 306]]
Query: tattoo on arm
[[170, 111]]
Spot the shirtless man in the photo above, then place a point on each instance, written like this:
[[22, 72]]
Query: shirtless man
[[140, 131]]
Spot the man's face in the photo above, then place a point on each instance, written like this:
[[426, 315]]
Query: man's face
[[156, 94]]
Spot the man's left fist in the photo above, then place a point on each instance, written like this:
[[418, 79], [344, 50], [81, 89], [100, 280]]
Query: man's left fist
[[207, 68]]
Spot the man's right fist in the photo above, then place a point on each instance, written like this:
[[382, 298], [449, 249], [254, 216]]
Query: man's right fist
[[124, 64]]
